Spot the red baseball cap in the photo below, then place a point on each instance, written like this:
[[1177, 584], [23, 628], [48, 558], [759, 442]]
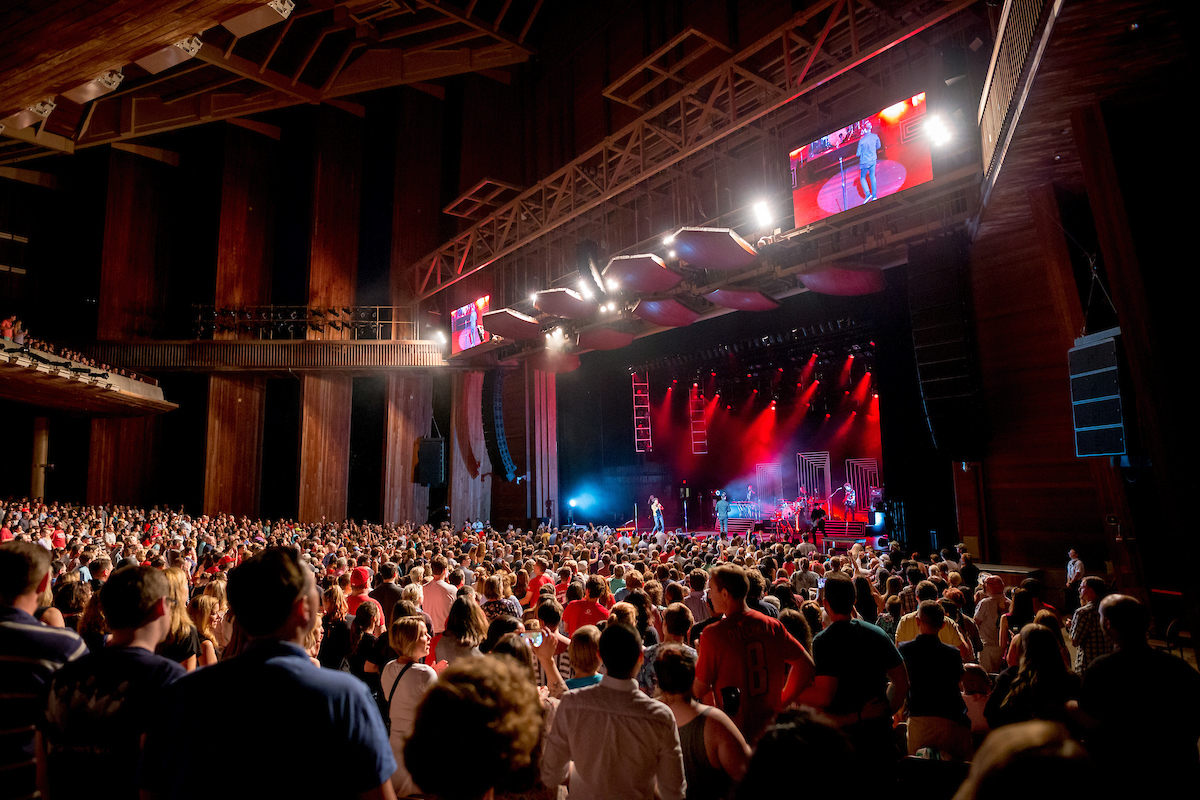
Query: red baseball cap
[[360, 576]]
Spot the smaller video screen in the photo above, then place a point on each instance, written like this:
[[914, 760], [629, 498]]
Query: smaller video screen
[[874, 157], [466, 325]]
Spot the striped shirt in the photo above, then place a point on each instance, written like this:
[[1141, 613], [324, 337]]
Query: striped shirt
[[30, 653]]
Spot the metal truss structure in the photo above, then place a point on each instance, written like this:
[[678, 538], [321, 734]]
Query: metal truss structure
[[323, 52], [825, 41]]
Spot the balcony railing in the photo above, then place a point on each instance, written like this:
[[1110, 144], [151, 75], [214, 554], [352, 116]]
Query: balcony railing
[[323, 323], [243, 355], [1021, 37]]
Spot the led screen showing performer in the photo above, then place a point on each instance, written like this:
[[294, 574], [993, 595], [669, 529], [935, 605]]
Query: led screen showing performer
[[466, 325], [862, 162]]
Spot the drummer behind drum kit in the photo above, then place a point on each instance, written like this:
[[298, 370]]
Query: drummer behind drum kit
[[799, 514]]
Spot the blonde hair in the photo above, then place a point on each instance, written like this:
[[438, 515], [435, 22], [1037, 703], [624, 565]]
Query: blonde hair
[[404, 634], [335, 596], [200, 611], [181, 624], [216, 588], [584, 649]]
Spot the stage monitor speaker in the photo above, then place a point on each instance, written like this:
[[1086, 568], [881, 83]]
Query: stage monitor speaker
[[1096, 395], [431, 461], [939, 299]]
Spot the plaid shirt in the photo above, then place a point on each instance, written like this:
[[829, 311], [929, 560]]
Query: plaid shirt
[[908, 600], [1088, 635]]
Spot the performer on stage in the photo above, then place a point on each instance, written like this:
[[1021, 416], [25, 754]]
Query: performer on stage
[[656, 510], [848, 502], [867, 146], [723, 514]]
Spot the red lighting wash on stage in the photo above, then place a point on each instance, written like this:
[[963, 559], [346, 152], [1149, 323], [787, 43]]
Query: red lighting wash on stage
[[466, 325], [888, 150]]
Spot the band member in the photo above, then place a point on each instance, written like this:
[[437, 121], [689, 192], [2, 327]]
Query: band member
[[723, 514], [656, 510], [751, 495], [867, 159], [848, 502]]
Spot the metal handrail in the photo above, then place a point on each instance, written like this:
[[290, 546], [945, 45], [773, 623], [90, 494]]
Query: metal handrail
[[311, 322]]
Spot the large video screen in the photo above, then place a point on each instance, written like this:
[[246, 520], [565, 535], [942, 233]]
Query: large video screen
[[466, 325], [862, 162]]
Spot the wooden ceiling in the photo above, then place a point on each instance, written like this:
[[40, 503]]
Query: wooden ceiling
[[323, 51]]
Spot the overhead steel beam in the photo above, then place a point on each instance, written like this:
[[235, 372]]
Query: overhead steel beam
[[727, 99]]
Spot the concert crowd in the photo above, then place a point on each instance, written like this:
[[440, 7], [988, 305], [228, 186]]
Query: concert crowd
[[149, 652]]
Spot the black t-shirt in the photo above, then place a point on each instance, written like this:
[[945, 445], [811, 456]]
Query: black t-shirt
[[1148, 704], [335, 645], [859, 655], [934, 670], [182, 648], [95, 712], [387, 594]]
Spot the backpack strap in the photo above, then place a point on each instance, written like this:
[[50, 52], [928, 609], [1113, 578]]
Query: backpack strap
[[396, 683]]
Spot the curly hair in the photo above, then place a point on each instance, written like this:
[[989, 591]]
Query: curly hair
[[487, 707]]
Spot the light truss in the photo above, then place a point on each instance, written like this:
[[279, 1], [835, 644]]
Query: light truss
[[781, 67]]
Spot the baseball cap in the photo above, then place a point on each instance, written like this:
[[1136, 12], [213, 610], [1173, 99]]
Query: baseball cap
[[359, 576]]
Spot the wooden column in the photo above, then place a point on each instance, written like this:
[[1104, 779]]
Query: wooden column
[[542, 409], [409, 416], [236, 404], [324, 447], [233, 453], [470, 466], [122, 457], [333, 267], [41, 451]]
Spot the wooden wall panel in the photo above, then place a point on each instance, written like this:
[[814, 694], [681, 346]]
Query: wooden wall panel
[[470, 467], [247, 219], [1040, 499], [409, 416], [122, 461], [337, 197], [417, 204], [324, 446], [131, 290], [234, 446]]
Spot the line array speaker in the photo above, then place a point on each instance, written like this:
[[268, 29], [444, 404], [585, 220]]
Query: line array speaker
[[431, 461]]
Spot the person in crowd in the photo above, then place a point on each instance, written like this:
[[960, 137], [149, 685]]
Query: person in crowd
[[276, 602], [677, 621], [587, 611], [976, 689], [92, 625], [988, 613], [1039, 687], [908, 627], [697, 579], [801, 736], [388, 590], [466, 627], [203, 612], [610, 739], [584, 652], [360, 586], [405, 681], [182, 643], [715, 753], [337, 629], [1075, 575], [493, 599], [98, 706], [860, 678], [1140, 707], [30, 653], [437, 596], [1037, 759], [747, 661], [937, 715], [482, 707], [1087, 634]]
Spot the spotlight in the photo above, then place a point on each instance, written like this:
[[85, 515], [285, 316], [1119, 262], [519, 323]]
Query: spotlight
[[669, 239], [939, 131], [762, 213], [572, 502], [613, 284], [533, 297], [441, 336], [671, 254]]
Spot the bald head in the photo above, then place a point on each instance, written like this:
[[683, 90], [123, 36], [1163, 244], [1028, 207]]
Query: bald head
[[1125, 619]]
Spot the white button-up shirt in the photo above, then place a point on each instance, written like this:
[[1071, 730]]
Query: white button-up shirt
[[623, 744]]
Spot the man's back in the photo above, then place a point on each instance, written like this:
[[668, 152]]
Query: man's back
[[749, 653], [622, 742], [30, 653], [386, 594], [859, 655], [279, 709], [436, 598], [934, 670]]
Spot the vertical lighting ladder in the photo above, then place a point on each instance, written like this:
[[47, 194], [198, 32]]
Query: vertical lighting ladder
[[643, 441], [699, 427]]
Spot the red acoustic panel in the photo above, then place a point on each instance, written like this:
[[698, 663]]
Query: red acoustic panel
[[713, 248], [565, 303], [645, 273], [511, 324], [742, 301], [551, 360], [844, 282], [604, 339], [668, 313]]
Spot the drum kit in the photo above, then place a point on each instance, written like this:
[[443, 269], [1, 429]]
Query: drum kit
[[799, 514]]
